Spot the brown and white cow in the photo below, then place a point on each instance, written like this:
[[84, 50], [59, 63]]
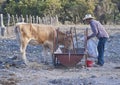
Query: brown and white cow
[[43, 34]]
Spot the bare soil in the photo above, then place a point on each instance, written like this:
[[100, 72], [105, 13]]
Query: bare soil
[[14, 72]]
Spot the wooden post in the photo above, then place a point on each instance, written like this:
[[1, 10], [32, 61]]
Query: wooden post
[[22, 18], [51, 21], [76, 37], [27, 19], [56, 19], [13, 20], [33, 18], [39, 20], [30, 18], [17, 20], [71, 35], [8, 19], [43, 20], [8, 23], [85, 46], [2, 27]]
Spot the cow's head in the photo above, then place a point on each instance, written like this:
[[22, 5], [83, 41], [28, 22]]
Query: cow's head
[[65, 39], [68, 40]]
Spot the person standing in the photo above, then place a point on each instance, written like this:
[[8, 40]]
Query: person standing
[[98, 31]]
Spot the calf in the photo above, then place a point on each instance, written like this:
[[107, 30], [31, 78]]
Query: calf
[[42, 34]]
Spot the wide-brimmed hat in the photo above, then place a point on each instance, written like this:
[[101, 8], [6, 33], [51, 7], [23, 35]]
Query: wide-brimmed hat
[[88, 16]]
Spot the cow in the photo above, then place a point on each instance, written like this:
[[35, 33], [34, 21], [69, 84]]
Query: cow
[[46, 35]]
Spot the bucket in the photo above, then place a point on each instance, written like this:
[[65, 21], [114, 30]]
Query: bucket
[[89, 63]]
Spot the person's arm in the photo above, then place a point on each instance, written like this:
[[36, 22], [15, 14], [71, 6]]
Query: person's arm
[[94, 30]]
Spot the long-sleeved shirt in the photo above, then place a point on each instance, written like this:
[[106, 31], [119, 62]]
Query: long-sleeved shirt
[[97, 29]]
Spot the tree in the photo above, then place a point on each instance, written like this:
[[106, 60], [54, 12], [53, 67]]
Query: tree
[[73, 10], [104, 11], [52, 7], [67, 10]]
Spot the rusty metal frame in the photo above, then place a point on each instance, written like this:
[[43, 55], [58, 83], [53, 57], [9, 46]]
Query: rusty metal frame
[[74, 51]]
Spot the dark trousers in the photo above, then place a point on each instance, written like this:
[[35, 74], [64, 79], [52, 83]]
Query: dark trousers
[[100, 48]]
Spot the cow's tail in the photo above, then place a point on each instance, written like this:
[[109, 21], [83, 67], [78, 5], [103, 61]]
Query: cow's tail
[[17, 32]]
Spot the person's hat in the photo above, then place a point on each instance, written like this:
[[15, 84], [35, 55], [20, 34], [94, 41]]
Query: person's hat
[[88, 16]]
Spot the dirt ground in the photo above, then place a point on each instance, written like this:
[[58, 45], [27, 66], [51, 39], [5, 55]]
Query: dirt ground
[[14, 72]]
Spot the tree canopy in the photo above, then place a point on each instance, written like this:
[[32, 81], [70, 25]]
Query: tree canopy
[[67, 10]]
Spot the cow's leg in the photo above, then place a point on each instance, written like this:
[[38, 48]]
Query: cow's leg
[[44, 55], [45, 52], [23, 46], [47, 55], [51, 47], [51, 57]]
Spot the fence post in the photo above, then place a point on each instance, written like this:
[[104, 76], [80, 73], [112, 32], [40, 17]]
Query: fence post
[[57, 21], [13, 19], [8, 19], [30, 18], [22, 18], [43, 20], [37, 19], [40, 20], [48, 20], [17, 20], [27, 18], [2, 27], [33, 19]]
